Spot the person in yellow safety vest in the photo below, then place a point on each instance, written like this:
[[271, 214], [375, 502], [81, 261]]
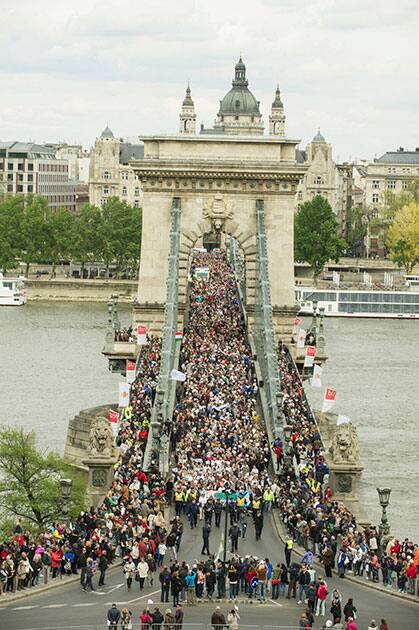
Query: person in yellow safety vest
[[255, 504], [179, 498], [241, 502], [268, 499], [289, 544]]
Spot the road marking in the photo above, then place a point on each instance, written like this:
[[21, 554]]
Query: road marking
[[85, 604], [24, 607], [113, 588], [98, 592], [55, 606], [220, 548], [142, 597], [276, 603]]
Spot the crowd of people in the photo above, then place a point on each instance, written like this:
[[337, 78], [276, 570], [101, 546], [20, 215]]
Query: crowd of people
[[221, 452], [322, 525], [130, 513], [124, 334]]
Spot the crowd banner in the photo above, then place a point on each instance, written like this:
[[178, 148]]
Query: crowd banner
[[141, 335], [301, 339], [328, 399], [130, 371], [175, 375], [316, 380], [114, 420], [123, 394], [309, 358], [179, 335], [342, 420]]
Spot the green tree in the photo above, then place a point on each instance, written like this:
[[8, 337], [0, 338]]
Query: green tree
[[356, 231], [60, 236], [121, 234], [403, 237], [316, 238], [87, 235], [11, 218], [34, 233], [29, 480]]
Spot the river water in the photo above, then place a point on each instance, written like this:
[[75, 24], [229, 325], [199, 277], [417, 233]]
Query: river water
[[51, 367]]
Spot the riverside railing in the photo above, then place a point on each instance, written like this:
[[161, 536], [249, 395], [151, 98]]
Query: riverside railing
[[159, 434], [264, 335]]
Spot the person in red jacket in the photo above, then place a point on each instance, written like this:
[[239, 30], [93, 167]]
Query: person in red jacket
[[321, 598], [411, 575], [56, 557]]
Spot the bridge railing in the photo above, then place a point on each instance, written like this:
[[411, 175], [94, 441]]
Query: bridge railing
[[184, 626], [159, 434], [263, 333]]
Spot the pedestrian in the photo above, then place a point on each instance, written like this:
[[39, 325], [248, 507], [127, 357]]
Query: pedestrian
[[190, 583], [218, 620], [351, 624], [321, 598], [169, 620], [176, 587], [90, 571], [234, 533], [206, 531], [113, 617], [145, 619], [336, 605], [103, 565], [142, 572], [129, 571], [157, 619], [372, 625], [165, 578], [289, 544], [126, 623], [349, 609], [179, 615], [233, 618], [384, 625]]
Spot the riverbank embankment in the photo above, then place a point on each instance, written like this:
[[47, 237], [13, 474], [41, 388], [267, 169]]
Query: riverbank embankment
[[77, 290]]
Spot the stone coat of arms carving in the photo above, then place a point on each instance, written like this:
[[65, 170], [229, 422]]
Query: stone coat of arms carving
[[217, 211]]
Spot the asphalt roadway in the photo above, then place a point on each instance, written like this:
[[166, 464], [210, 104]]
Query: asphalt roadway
[[74, 609]]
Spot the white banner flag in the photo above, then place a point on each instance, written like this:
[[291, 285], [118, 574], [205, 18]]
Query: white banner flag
[[123, 394], [175, 375], [309, 358], [328, 399], [296, 326], [301, 339], [141, 335], [130, 371], [316, 380], [342, 420]]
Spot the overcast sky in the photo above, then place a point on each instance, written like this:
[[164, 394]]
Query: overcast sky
[[349, 67]]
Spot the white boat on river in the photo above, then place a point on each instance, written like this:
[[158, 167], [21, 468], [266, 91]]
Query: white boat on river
[[12, 291], [359, 303]]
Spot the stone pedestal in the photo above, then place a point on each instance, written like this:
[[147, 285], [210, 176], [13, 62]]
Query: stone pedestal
[[344, 480], [101, 474]]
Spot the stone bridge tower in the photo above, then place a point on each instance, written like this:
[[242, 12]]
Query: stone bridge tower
[[218, 175]]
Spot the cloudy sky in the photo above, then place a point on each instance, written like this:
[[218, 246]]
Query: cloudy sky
[[349, 67]]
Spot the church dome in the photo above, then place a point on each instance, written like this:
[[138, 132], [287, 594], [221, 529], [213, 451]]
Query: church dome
[[239, 100], [319, 138], [107, 133]]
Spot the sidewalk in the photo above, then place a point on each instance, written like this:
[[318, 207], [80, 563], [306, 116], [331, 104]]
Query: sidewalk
[[300, 551], [65, 580]]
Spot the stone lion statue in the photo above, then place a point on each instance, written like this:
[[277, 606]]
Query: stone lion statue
[[101, 438], [344, 446]]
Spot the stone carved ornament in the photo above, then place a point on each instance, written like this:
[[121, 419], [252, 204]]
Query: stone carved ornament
[[100, 438], [344, 447], [217, 211]]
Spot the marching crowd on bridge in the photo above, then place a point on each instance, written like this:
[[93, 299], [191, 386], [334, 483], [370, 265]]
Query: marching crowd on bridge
[[221, 451]]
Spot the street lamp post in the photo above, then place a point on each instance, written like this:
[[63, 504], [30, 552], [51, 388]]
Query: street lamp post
[[384, 498], [65, 486], [287, 455]]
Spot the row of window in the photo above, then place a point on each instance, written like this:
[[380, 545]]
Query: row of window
[[322, 296], [107, 190], [20, 188], [20, 166], [124, 175], [399, 298], [379, 308], [54, 168], [405, 169], [20, 177]]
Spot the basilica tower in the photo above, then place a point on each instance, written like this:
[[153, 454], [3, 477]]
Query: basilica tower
[[277, 117], [187, 116]]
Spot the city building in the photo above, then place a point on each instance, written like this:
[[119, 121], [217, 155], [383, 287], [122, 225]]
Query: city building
[[326, 178], [29, 168], [391, 173], [110, 173]]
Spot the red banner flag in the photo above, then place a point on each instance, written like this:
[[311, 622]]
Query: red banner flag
[[329, 399], [113, 416]]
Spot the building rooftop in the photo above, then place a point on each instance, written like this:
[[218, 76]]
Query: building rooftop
[[26, 149], [399, 157], [128, 151]]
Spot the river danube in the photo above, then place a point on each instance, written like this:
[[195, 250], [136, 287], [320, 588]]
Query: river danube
[[51, 367]]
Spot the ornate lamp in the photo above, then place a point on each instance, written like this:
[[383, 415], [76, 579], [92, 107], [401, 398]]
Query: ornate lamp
[[287, 432], [384, 498], [65, 487], [155, 429]]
